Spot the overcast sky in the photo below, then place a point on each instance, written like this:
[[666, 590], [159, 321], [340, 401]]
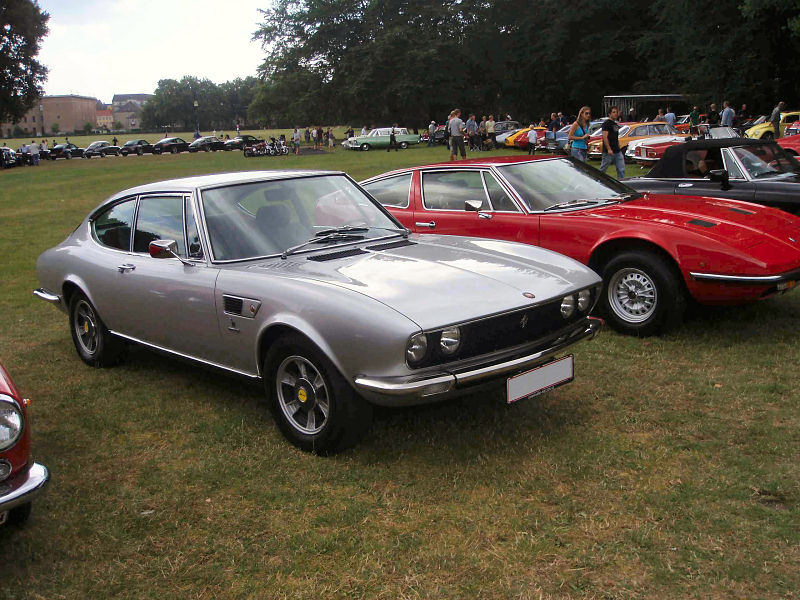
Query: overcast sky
[[101, 48]]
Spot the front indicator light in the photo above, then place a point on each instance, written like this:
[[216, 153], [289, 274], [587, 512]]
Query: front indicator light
[[584, 300], [567, 306], [450, 341], [417, 348]]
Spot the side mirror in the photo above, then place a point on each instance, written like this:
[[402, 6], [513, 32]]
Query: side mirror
[[720, 175], [163, 249], [473, 205]]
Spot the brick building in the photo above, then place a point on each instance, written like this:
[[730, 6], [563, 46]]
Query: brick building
[[105, 120], [69, 112]]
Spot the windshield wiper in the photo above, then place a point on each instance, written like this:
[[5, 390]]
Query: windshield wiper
[[332, 235], [571, 203], [343, 230]]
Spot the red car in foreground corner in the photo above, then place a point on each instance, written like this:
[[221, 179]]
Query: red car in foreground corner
[[21, 479], [653, 251]]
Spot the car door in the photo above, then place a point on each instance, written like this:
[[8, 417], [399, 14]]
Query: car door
[[444, 194], [164, 301], [698, 164], [395, 194]]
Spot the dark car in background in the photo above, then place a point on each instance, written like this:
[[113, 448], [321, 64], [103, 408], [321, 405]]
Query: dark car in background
[[101, 149], [138, 147], [241, 141], [207, 143], [171, 145], [735, 168], [67, 150], [8, 158]]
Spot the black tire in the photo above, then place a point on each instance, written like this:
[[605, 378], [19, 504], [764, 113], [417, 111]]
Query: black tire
[[95, 345], [174, 150], [206, 148], [19, 515], [124, 154], [156, 151], [365, 147], [403, 145], [658, 297], [67, 155], [768, 136], [348, 414], [139, 151]]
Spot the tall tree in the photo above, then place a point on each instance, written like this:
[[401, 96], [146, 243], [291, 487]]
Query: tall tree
[[22, 26]]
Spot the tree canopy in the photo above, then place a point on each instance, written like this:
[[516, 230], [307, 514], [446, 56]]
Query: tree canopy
[[349, 61], [22, 27]]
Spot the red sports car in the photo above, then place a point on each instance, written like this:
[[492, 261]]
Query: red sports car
[[653, 251], [791, 143], [21, 479]]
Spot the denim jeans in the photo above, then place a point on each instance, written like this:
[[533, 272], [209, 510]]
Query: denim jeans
[[618, 158], [580, 153]]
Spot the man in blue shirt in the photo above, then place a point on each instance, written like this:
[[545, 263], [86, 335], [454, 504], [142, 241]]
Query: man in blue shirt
[[727, 115], [670, 117]]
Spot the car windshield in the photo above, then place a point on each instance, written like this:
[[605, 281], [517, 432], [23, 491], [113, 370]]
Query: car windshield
[[768, 160], [130, 143], [548, 182], [95, 144], [266, 218]]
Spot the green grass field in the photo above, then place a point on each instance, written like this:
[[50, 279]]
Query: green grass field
[[670, 468]]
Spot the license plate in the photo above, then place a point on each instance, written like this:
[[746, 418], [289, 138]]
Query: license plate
[[541, 379]]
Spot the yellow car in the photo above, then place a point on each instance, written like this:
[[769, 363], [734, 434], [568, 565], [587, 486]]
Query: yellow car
[[510, 139], [766, 131], [629, 132]]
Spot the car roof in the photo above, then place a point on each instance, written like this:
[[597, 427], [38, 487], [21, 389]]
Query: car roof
[[672, 163]]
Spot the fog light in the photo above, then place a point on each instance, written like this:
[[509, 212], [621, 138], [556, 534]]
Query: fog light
[[450, 341], [5, 469], [567, 306], [584, 299]]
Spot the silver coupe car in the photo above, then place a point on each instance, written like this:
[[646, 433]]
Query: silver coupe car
[[303, 280]]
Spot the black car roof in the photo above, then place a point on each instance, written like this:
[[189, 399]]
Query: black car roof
[[673, 163]]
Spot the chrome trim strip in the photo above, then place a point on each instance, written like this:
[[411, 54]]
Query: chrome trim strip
[[410, 387], [182, 355], [24, 488], [45, 295], [755, 279]]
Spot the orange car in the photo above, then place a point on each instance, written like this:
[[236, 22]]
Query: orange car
[[632, 131]]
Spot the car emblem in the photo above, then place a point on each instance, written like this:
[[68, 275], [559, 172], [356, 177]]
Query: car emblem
[[528, 295], [523, 321], [791, 239], [302, 395]]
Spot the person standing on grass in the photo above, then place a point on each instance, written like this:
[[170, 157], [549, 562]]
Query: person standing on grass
[[331, 140], [611, 151], [392, 139], [579, 133], [712, 118], [307, 135], [456, 127], [296, 140], [532, 136], [490, 130], [34, 154], [694, 120], [314, 136], [775, 118], [727, 115], [472, 131], [114, 141], [670, 117], [431, 133]]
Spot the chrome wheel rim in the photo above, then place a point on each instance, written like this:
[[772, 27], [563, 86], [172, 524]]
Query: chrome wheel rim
[[632, 295], [302, 395], [86, 327]]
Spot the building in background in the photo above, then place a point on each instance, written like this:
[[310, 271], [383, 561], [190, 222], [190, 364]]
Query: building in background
[[127, 109], [70, 113], [105, 119]]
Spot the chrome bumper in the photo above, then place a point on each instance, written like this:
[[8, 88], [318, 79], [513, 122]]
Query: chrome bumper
[[390, 390], [23, 488], [47, 296], [793, 275]]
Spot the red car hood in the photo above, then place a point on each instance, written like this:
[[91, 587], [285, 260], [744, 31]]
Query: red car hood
[[739, 224]]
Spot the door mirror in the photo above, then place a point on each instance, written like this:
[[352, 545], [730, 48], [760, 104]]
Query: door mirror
[[473, 205], [163, 249], [720, 175]]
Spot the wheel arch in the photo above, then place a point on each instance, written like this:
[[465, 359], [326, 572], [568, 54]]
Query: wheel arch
[[278, 329], [606, 250]]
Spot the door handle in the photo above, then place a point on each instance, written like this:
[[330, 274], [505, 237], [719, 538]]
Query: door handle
[[430, 225], [484, 215], [126, 267], [685, 184]]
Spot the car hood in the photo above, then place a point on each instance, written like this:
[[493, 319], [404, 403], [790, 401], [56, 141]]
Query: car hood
[[655, 140], [738, 224], [440, 280]]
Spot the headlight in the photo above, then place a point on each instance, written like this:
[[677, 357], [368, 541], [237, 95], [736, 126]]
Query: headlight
[[567, 306], [417, 348], [584, 300], [10, 422], [450, 341]]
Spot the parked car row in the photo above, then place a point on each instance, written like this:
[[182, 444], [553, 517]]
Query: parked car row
[[380, 138]]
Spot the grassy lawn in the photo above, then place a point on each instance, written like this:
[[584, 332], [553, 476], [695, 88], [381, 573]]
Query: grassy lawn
[[670, 468]]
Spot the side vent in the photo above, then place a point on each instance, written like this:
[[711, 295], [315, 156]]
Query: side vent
[[335, 255], [701, 223], [392, 245], [232, 305], [741, 211]]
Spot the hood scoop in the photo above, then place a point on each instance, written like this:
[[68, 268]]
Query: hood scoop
[[702, 223], [741, 211], [392, 245], [335, 255]]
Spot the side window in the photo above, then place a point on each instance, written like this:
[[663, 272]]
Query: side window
[[498, 196], [449, 190], [192, 235], [113, 227], [700, 162], [159, 218], [638, 131], [393, 191], [734, 172]]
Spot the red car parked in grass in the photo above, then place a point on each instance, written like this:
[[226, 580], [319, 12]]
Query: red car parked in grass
[[21, 479], [791, 143], [653, 251]]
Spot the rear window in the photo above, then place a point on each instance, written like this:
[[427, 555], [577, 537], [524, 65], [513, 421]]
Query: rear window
[[112, 228]]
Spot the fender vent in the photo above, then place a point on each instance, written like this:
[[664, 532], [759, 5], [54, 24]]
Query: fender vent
[[392, 245], [701, 223], [231, 305], [240, 307], [335, 255], [741, 211]]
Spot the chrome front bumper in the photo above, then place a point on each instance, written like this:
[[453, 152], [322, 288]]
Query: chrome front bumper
[[47, 296], [23, 488], [397, 391]]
